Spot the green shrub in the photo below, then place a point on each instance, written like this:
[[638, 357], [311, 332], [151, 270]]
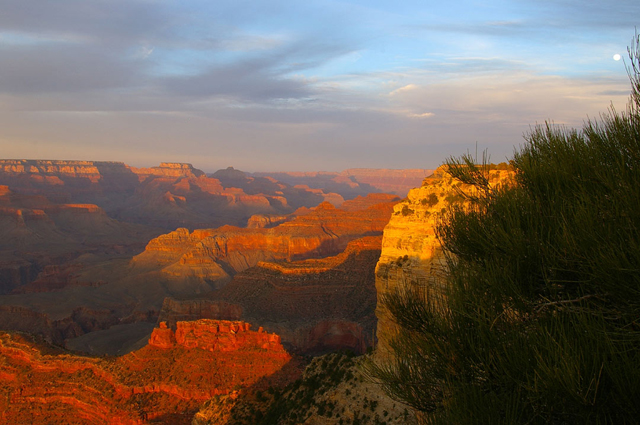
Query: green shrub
[[540, 324]]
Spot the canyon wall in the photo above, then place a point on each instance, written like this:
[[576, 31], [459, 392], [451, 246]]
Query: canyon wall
[[411, 253], [70, 300], [315, 305], [217, 254], [168, 196]]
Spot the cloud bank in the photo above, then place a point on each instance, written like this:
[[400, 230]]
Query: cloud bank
[[300, 86]]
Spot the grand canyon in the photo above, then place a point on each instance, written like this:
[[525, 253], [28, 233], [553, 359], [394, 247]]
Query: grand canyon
[[262, 213], [168, 295]]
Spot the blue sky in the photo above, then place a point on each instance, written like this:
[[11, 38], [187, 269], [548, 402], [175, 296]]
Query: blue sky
[[289, 85]]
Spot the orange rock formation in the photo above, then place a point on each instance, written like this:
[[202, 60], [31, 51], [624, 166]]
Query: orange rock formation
[[213, 335], [164, 381], [214, 254]]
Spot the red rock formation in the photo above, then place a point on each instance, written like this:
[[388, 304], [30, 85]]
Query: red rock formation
[[162, 384], [214, 335], [162, 337]]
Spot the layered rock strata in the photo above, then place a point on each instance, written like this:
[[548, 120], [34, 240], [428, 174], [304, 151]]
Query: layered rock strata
[[164, 384], [411, 253], [168, 196], [216, 254], [315, 305], [214, 335]]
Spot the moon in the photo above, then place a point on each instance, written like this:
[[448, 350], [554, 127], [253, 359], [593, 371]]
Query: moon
[[616, 57]]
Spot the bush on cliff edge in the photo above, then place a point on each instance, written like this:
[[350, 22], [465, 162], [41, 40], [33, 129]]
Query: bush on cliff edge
[[541, 321]]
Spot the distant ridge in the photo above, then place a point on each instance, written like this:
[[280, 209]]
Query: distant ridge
[[356, 181]]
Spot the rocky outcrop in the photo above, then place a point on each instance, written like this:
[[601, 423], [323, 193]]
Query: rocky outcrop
[[215, 335], [158, 383], [262, 221], [163, 337], [411, 253]]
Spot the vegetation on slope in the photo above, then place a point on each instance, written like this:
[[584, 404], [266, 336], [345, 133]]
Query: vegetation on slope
[[331, 391], [540, 323]]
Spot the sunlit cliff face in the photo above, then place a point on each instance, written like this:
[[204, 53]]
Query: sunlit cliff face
[[411, 253]]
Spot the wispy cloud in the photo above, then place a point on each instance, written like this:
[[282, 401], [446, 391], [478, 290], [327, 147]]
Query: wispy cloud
[[403, 89], [422, 115], [342, 83]]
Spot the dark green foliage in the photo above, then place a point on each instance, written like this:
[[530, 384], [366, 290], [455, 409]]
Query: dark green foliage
[[406, 211], [299, 398], [431, 200], [541, 323], [453, 199]]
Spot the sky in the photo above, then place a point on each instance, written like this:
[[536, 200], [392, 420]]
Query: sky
[[302, 85]]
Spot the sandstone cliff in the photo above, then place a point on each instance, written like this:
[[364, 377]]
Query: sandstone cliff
[[411, 253]]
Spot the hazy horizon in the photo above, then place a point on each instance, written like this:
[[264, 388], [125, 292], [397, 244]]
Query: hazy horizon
[[313, 86], [211, 171]]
